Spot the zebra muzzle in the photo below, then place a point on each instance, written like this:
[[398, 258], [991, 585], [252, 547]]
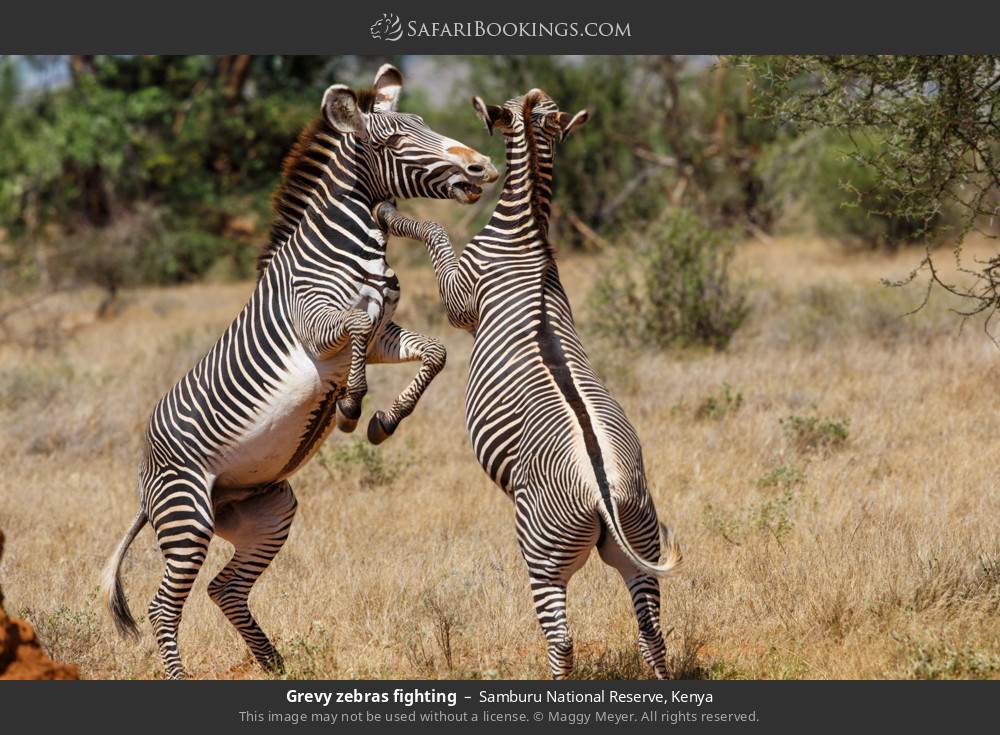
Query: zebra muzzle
[[466, 192]]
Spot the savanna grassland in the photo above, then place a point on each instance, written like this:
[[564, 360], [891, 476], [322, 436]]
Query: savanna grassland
[[831, 477]]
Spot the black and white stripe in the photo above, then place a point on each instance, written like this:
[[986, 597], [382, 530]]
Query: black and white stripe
[[221, 444], [541, 423]]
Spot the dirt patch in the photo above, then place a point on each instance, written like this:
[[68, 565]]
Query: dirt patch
[[21, 655]]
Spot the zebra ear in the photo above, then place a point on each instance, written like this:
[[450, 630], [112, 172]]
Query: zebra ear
[[567, 124], [388, 85], [491, 114], [340, 108]]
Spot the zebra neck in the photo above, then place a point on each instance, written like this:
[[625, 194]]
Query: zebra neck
[[346, 175], [337, 216], [527, 194], [325, 171]]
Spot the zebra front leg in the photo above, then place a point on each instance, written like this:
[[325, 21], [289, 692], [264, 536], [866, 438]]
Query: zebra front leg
[[257, 527], [360, 327], [395, 344], [328, 331], [178, 512], [454, 277]]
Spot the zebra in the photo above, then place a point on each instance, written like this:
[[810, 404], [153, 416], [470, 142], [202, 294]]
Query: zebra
[[542, 425], [222, 443]]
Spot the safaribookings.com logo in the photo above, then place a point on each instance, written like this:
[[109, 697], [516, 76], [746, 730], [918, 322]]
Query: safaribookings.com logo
[[387, 28], [390, 28]]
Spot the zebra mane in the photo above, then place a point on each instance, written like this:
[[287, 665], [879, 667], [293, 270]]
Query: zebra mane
[[292, 197], [530, 142]]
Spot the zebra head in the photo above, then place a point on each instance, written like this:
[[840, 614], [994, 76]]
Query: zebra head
[[536, 107], [404, 157]]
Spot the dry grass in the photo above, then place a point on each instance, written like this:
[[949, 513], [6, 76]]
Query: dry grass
[[869, 554]]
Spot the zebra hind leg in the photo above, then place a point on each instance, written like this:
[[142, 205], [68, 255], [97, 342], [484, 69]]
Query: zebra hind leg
[[257, 527], [644, 589], [645, 592], [178, 512], [553, 551], [548, 594]]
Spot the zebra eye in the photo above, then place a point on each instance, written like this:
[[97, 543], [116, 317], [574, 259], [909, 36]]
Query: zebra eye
[[393, 140]]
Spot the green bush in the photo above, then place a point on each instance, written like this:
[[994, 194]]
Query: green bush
[[786, 476], [719, 405], [821, 180], [671, 287], [134, 171], [771, 517], [937, 659], [358, 458], [812, 433]]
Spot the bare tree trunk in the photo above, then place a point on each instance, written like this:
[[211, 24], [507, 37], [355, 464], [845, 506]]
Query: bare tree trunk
[[673, 127], [234, 70], [80, 65]]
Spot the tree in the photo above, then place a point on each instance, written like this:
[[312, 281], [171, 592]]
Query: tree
[[664, 132], [141, 168], [928, 127]]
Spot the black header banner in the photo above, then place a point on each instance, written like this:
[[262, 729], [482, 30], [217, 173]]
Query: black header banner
[[394, 27]]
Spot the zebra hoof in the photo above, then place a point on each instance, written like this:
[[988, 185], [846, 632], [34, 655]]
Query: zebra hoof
[[273, 664], [348, 414], [377, 433]]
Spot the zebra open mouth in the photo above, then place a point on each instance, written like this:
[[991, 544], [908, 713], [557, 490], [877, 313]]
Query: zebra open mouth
[[465, 192]]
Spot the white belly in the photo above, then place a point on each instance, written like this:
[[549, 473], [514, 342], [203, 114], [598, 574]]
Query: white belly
[[292, 424], [275, 433]]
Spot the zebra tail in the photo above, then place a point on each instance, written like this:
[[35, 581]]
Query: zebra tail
[[672, 556], [111, 583]]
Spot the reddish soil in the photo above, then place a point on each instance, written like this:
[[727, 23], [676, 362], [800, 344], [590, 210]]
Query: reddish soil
[[21, 655]]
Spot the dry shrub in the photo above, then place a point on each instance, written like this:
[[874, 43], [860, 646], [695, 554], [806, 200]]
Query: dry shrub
[[671, 287]]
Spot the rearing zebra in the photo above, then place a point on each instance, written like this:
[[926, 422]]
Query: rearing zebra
[[223, 441], [542, 425]]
